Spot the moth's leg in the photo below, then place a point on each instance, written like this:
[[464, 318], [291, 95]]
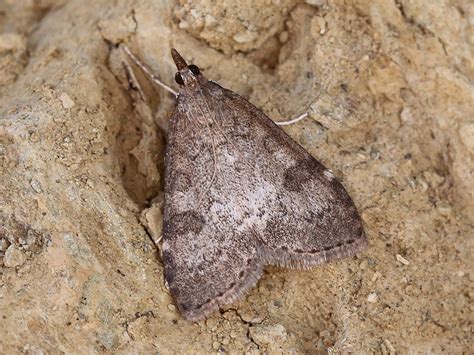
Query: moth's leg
[[294, 120], [156, 238], [158, 241], [140, 100], [148, 72]]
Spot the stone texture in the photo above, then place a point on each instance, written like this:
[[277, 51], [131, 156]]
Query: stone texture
[[13, 257], [390, 90]]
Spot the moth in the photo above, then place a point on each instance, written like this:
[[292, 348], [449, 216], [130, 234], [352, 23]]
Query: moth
[[240, 194]]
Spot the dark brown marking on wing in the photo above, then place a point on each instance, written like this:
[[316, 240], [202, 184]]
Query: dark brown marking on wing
[[302, 172], [186, 222]]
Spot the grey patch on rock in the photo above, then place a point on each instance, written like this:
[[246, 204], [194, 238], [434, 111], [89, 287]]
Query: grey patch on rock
[[108, 339]]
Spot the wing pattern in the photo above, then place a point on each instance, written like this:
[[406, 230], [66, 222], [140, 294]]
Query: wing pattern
[[241, 194]]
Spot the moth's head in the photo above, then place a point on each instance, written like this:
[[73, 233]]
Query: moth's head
[[187, 75]]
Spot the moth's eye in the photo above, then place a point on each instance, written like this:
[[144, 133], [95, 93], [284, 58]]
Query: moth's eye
[[178, 78], [194, 69]]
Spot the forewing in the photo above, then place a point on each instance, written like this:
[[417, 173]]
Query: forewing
[[207, 262], [308, 217]]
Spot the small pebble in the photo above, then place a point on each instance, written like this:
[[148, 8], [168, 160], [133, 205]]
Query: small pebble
[[466, 132], [363, 264], [372, 297], [34, 137], [4, 244], [325, 334], [36, 186], [283, 37], [315, 2], [10, 42], [376, 276], [374, 153], [32, 350], [402, 260], [268, 334], [210, 20], [212, 323], [66, 101], [244, 37], [234, 334], [405, 115], [183, 25], [444, 209], [389, 346], [13, 257], [108, 339]]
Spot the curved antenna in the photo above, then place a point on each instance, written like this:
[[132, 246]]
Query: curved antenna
[[178, 60], [148, 72], [294, 120]]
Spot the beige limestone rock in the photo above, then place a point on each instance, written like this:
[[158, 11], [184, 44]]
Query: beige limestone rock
[[390, 89]]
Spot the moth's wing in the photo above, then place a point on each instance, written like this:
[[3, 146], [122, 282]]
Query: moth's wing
[[307, 218], [239, 194], [207, 262]]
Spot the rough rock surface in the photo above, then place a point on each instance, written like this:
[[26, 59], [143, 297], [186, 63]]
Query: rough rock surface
[[390, 88]]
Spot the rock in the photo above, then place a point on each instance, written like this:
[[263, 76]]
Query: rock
[[66, 101], [467, 136], [33, 350], [391, 83], [402, 259], [14, 257], [35, 184], [108, 339], [152, 219], [245, 36], [4, 244], [266, 335], [11, 42], [315, 2], [372, 297]]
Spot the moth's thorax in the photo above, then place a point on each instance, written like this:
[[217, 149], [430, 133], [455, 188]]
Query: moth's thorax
[[197, 103]]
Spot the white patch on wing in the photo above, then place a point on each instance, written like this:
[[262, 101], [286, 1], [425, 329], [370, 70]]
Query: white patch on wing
[[183, 199], [197, 251], [228, 158], [283, 158], [248, 210]]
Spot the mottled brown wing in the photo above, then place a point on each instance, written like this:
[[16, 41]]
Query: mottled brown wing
[[241, 194]]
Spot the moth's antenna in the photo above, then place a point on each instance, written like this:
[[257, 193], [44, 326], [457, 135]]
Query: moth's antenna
[[294, 120], [148, 72]]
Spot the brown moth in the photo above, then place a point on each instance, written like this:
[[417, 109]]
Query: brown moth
[[240, 194]]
